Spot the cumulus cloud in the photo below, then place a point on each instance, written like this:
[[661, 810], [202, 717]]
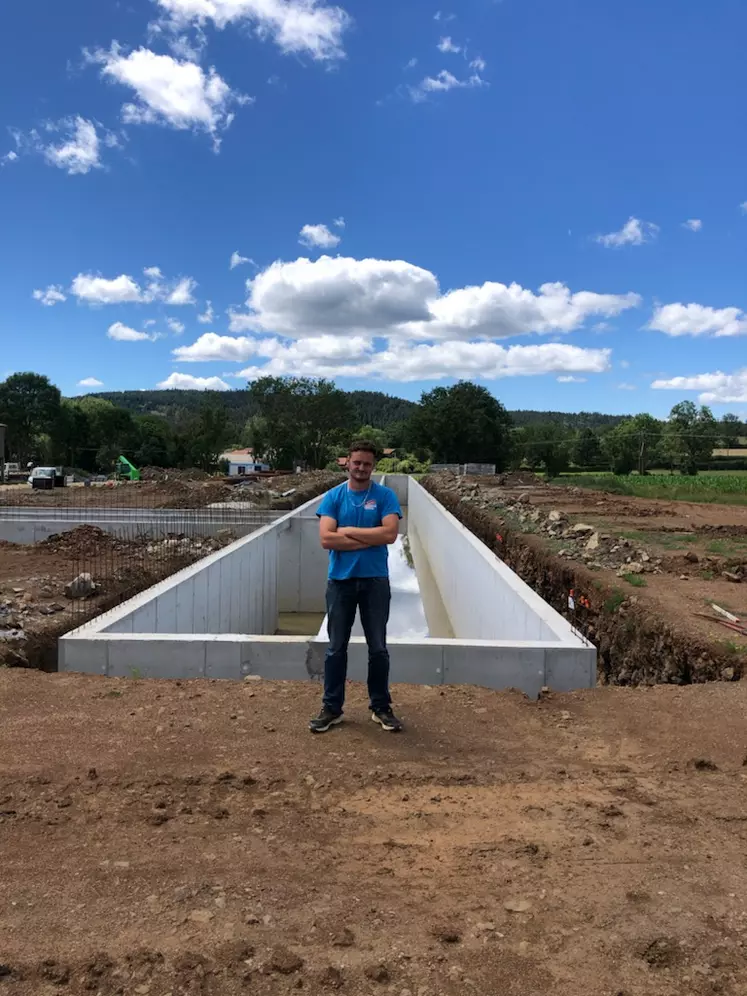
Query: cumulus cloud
[[633, 233], [90, 382], [442, 82], [570, 379], [50, 295], [211, 346], [302, 27], [626, 387], [123, 333], [694, 224], [478, 64], [172, 92], [341, 296], [9, 157], [78, 150], [698, 319], [206, 318], [182, 293], [339, 222], [743, 207], [175, 326], [238, 260], [100, 290], [404, 363], [716, 388], [447, 45], [318, 236], [185, 382]]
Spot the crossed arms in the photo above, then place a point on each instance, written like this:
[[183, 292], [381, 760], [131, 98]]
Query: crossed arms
[[346, 539]]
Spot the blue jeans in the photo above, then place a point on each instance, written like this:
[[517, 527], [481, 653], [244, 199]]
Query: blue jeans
[[372, 597]]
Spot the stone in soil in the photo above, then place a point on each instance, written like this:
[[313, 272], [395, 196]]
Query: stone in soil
[[284, 961], [377, 973]]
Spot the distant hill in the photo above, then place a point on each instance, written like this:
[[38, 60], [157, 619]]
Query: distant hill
[[372, 408]]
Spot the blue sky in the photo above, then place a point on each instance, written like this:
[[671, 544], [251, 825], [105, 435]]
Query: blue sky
[[546, 195]]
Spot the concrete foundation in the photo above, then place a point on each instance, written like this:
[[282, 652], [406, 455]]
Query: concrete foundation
[[216, 618]]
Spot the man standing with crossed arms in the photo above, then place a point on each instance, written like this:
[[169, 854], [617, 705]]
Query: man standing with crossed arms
[[357, 521]]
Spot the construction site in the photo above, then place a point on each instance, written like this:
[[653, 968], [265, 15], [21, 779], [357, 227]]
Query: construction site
[[566, 810]]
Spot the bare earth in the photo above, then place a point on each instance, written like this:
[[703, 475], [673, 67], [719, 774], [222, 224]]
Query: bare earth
[[194, 838]]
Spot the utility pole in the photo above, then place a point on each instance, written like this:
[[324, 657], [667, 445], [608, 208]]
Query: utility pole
[[2, 452]]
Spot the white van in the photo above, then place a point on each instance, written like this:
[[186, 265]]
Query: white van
[[42, 472]]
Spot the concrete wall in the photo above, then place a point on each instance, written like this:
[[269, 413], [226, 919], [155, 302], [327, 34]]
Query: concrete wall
[[483, 597], [213, 619]]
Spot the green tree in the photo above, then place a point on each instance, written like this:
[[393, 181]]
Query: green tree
[[633, 444], [462, 424], [155, 441], [585, 450], [112, 431], [377, 436], [548, 446], [70, 436], [305, 418], [690, 436], [730, 428], [29, 406], [209, 435]]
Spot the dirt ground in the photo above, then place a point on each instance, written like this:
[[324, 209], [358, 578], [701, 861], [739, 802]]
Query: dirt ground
[[173, 489], [193, 838], [697, 553]]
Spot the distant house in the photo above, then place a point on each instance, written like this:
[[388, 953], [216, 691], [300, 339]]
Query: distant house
[[242, 462]]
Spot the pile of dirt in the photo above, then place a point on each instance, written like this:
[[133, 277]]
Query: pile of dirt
[[86, 541], [161, 474], [647, 610]]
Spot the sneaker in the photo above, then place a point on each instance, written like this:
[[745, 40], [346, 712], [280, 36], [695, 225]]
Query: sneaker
[[386, 720], [325, 720]]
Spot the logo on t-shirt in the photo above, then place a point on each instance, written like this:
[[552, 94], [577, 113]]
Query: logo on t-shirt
[[370, 505]]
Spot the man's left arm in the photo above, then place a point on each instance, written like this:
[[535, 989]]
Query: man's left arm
[[383, 535]]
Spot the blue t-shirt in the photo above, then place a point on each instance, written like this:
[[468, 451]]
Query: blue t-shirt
[[364, 509]]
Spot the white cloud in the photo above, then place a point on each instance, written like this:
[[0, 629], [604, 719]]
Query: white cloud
[[717, 388], [404, 363], [411, 63], [123, 333], [9, 157], [90, 382], [185, 382], [175, 326], [698, 319], [98, 290], [238, 260], [80, 152], [211, 346], [304, 27], [447, 45], [570, 379], [743, 207], [497, 311], [478, 64], [633, 233], [175, 93], [694, 224], [318, 236], [442, 82], [440, 16], [339, 222], [625, 364], [206, 318], [182, 293], [345, 296], [50, 296], [626, 387]]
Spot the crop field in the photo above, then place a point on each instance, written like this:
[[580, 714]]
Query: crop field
[[718, 487]]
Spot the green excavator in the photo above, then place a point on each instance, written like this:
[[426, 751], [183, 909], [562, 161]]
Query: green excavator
[[126, 471]]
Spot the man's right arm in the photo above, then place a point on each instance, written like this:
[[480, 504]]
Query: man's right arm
[[332, 540]]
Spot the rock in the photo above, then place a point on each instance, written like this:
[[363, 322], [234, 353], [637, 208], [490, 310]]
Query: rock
[[554, 516], [684, 577], [377, 973], [80, 587], [634, 568], [691, 557], [251, 918], [331, 978], [484, 928], [345, 939], [593, 542], [284, 961], [517, 905], [731, 576], [727, 674], [643, 557], [201, 916], [582, 529], [51, 609]]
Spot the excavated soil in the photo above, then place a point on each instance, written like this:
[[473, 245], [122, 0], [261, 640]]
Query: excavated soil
[[193, 838], [648, 626]]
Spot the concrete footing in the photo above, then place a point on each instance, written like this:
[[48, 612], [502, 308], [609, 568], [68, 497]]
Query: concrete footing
[[216, 618]]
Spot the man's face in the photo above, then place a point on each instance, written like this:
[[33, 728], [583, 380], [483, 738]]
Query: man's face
[[360, 466]]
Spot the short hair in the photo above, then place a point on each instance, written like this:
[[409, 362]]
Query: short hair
[[363, 446]]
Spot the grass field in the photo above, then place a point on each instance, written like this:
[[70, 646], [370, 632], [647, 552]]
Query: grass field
[[726, 488]]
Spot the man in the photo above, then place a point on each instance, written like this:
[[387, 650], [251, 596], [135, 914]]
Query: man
[[357, 521]]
